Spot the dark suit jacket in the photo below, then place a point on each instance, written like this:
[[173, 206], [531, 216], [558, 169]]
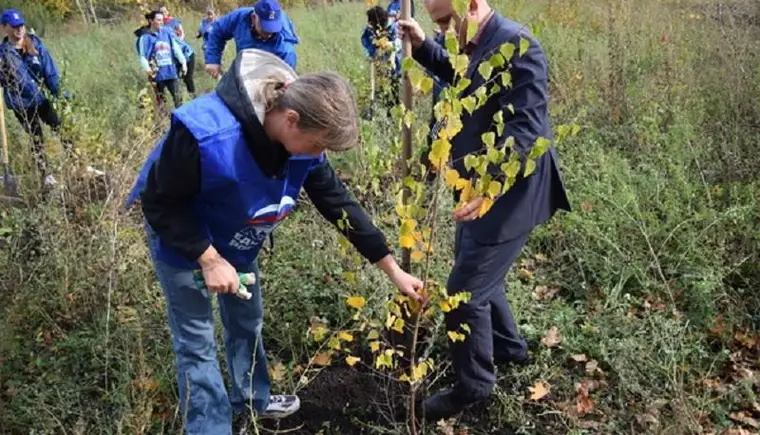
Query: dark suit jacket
[[532, 200]]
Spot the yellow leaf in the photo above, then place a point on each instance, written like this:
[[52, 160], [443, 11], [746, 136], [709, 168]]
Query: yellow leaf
[[417, 256], [538, 391], [419, 371], [351, 360], [445, 306], [345, 336], [373, 335], [374, 346], [322, 359], [456, 336], [487, 204], [385, 359], [406, 241], [398, 325], [319, 332], [466, 192], [494, 188], [357, 302], [451, 176], [465, 327]]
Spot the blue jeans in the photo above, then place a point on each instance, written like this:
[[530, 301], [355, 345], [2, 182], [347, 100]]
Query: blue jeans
[[203, 399]]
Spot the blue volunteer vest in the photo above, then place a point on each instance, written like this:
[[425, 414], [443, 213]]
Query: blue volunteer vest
[[238, 205], [161, 53]]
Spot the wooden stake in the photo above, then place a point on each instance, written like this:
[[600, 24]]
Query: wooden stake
[[406, 137]]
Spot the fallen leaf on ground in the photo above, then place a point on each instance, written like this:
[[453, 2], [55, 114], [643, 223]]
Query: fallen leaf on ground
[[445, 427], [552, 337], [744, 418], [538, 391], [322, 359], [525, 273], [735, 431], [277, 372], [579, 357], [540, 257], [746, 339], [583, 402], [544, 293], [592, 367], [646, 419]]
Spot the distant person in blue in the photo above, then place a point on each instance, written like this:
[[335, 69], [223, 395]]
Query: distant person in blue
[[394, 9], [264, 26], [205, 27], [380, 40], [160, 52], [383, 48], [172, 23], [187, 77], [26, 68], [486, 246], [227, 173]]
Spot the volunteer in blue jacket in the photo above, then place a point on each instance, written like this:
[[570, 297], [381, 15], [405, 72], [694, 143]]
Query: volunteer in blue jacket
[[187, 77], [26, 69], [394, 9], [160, 52], [205, 27], [380, 40], [226, 174], [264, 26], [172, 23]]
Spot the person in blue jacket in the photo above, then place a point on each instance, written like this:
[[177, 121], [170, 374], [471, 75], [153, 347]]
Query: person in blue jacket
[[187, 77], [380, 40], [205, 27], [264, 26], [383, 48], [160, 51], [226, 174], [172, 23], [394, 9], [27, 74]]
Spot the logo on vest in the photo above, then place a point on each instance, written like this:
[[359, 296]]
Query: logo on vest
[[261, 225]]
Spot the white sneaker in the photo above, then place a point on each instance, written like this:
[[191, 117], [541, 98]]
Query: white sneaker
[[281, 406]]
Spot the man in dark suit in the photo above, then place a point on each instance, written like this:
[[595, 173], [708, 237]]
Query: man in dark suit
[[486, 247]]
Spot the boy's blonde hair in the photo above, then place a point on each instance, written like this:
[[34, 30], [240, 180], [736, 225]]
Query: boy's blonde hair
[[325, 101]]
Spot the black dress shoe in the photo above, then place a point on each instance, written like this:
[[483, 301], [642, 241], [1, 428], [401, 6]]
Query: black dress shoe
[[444, 405]]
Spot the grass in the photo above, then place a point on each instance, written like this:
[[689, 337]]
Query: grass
[[655, 270]]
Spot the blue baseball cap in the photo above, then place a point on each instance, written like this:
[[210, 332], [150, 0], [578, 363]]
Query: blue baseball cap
[[12, 17], [269, 14]]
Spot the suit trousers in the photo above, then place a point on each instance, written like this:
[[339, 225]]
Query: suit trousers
[[480, 269]]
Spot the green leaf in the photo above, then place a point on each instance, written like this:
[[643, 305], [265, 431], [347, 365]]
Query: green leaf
[[511, 108], [482, 95], [488, 138], [539, 147], [407, 63], [506, 79], [524, 46], [530, 167], [460, 6], [472, 29], [507, 50], [409, 118], [470, 162], [463, 84], [497, 60], [485, 70], [451, 42], [460, 63], [495, 156], [469, 104], [426, 85], [511, 169]]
